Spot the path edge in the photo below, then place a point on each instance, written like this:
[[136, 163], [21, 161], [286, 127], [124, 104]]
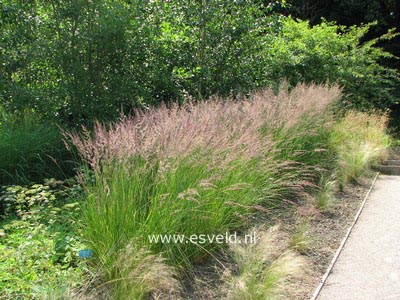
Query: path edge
[[343, 243]]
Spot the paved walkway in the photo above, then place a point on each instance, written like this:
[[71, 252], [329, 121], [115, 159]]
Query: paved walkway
[[369, 266]]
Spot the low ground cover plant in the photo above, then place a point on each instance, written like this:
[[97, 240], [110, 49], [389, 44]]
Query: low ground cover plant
[[39, 240]]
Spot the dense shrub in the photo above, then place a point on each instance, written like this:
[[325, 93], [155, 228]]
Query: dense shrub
[[331, 53], [76, 62]]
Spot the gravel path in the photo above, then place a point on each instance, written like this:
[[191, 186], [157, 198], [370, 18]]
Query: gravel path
[[368, 268]]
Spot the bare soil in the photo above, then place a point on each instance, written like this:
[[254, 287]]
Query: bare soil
[[325, 232]]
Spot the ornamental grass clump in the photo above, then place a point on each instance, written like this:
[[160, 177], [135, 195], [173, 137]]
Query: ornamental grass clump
[[360, 140], [199, 168]]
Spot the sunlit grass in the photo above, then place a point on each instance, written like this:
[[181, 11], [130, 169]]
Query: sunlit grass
[[359, 141], [204, 169], [263, 268]]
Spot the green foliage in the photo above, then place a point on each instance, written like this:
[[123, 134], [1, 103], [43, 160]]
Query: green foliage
[[18, 200], [28, 267], [332, 53], [188, 198], [219, 44], [76, 61], [385, 12], [200, 192], [40, 239], [305, 142], [31, 151], [72, 61], [127, 204]]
